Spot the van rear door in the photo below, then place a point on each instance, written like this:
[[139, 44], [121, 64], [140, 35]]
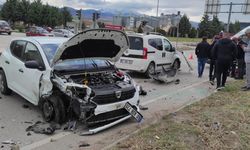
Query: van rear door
[[136, 48]]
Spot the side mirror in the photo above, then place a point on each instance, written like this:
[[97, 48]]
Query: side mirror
[[173, 49], [32, 64]]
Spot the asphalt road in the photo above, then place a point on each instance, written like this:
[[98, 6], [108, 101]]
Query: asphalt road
[[161, 99]]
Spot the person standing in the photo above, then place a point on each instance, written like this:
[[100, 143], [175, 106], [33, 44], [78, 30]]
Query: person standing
[[224, 52], [202, 52], [246, 48], [212, 69], [240, 60]]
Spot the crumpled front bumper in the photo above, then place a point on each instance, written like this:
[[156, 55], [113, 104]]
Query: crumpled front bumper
[[113, 114]]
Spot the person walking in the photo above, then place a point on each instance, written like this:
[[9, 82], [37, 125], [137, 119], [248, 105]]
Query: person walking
[[224, 52], [202, 52], [246, 48]]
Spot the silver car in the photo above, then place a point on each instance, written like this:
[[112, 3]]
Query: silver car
[[63, 33]]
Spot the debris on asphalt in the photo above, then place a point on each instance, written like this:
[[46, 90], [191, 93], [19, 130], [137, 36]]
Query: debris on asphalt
[[71, 125], [2, 127], [84, 144], [41, 128], [177, 81], [26, 106], [8, 142], [143, 107], [2, 146], [28, 134], [28, 122], [142, 92]]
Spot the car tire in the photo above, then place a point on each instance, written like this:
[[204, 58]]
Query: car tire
[[53, 109], [150, 70], [3, 84], [176, 65]]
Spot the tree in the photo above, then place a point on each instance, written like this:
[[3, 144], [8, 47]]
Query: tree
[[216, 26], [35, 13], [205, 27], [184, 26], [234, 28], [66, 16], [192, 33], [9, 11], [22, 10]]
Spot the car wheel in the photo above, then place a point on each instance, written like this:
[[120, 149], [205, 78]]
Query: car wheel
[[53, 109], [3, 84], [176, 65], [150, 70]]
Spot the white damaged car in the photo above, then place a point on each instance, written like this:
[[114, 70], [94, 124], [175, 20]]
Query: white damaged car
[[72, 77]]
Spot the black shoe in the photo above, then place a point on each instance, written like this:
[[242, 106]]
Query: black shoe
[[246, 89], [219, 88]]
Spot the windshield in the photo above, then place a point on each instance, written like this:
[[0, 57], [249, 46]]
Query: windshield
[[4, 23], [79, 65], [49, 50]]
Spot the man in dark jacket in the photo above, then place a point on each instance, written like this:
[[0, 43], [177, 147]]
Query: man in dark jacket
[[224, 52], [240, 59], [212, 69], [202, 52]]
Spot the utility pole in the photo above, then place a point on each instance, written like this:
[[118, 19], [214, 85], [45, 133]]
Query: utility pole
[[213, 7], [157, 11], [229, 16]]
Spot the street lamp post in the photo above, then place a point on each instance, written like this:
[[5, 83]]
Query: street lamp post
[[157, 10]]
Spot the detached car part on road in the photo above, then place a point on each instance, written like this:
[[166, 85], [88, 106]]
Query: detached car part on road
[[72, 78]]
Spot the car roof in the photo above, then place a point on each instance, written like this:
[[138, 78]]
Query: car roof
[[144, 35], [44, 40]]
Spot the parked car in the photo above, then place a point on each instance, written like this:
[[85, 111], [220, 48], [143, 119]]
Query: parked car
[[38, 31], [5, 27], [75, 76], [149, 53], [63, 33]]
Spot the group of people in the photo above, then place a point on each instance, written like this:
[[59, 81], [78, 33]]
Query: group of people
[[225, 55]]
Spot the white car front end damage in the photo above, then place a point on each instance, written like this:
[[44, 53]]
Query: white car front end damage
[[92, 102]]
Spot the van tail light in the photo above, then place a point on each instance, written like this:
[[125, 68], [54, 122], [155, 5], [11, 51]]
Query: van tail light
[[145, 53]]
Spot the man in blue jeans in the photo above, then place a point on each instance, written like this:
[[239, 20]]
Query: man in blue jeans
[[202, 51]]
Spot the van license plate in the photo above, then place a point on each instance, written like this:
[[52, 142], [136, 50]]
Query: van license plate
[[124, 61], [138, 117]]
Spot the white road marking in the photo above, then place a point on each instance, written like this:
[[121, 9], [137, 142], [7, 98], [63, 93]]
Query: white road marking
[[63, 134]]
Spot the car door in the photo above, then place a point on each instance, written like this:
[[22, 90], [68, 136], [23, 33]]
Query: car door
[[169, 53], [159, 55], [30, 78], [15, 64]]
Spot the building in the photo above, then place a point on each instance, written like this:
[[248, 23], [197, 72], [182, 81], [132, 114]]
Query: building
[[165, 21]]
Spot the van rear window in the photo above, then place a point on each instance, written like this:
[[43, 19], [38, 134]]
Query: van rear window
[[136, 43]]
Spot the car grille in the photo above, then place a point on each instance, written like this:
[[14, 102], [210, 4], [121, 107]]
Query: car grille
[[112, 98], [107, 117]]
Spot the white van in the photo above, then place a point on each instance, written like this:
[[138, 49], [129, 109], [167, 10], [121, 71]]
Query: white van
[[149, 53]]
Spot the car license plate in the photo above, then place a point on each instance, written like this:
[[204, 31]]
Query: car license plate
[[138, 117], [124, 61]]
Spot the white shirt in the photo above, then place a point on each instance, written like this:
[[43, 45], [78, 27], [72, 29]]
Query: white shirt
[[247, 53]]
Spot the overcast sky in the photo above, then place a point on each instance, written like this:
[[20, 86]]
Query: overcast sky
[[193, 8]]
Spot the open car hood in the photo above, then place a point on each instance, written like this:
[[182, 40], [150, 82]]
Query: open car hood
[[96, 44]]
